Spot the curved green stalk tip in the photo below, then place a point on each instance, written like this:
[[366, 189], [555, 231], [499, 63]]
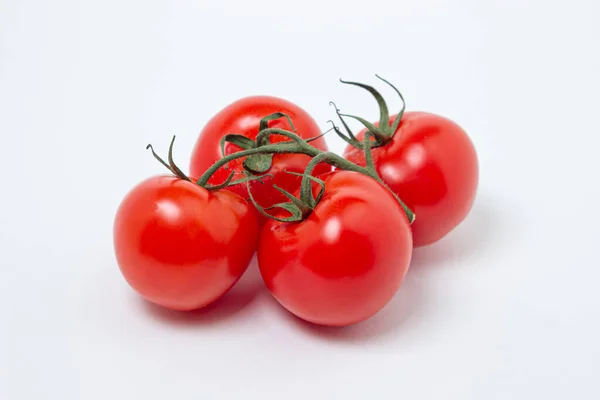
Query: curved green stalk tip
[[264, 122], [174, 166]]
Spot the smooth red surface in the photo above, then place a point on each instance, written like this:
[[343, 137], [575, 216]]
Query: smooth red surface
[[243, 117], [431, 164], [180, 246], [346, 261]]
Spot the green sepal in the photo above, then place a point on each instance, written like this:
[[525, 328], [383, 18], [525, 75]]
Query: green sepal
[[306, 194], [304, 208], [239, 140], [171, 166], [230, 182], [258, 163], [174, 167], [289, 207], [346, 127], [401, 113], [212, 188], [379, 134], [384, 114], [264, 123]]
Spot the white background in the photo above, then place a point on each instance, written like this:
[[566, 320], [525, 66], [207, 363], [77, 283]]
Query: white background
[[506, 307]]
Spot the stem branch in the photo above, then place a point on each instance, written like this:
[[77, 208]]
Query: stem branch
[[300, 146]]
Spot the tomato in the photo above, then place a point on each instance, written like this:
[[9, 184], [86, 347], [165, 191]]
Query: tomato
[[344, 262], [243, 117], [431, 164], [181, 246]]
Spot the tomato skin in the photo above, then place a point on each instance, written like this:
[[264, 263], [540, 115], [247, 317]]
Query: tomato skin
[[431, 164], [346, 260], [173, 241], [243, 117]]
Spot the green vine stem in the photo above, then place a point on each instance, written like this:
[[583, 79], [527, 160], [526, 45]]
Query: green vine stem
[[369, 170], [175, 170], [299, 208], [298, 145], [385, 130]]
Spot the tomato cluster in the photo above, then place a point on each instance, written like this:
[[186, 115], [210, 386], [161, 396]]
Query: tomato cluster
[[333, 235]]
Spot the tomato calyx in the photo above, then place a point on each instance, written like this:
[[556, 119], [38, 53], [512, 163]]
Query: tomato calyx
[[175, 170], [256, 163], [262, 147], [261, 162], [299, 207], [385, 130]]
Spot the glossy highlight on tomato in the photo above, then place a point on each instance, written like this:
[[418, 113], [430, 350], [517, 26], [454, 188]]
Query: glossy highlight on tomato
[[431, 164], [179, 245], [243, 117], [344, 262]]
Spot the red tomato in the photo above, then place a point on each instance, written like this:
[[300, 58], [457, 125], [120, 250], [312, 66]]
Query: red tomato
[[180, 246], [243, 117], [346, 260], [431, 164]]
